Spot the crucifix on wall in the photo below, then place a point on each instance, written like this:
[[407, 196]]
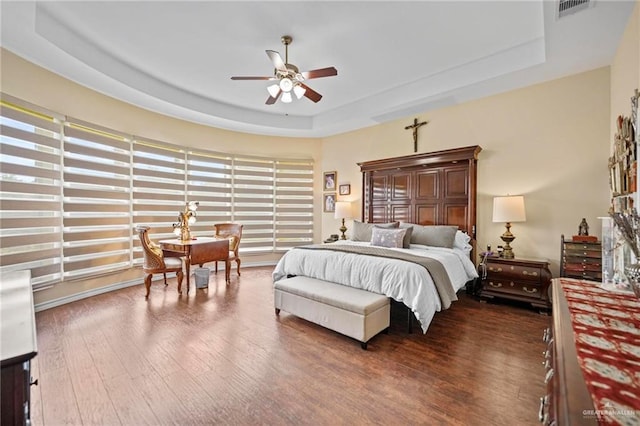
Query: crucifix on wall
[[415, 127]]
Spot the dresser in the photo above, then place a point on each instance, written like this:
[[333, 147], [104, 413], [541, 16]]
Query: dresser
[[525, 280], [17, 346], [606, 324], [581, 260], [567, 395]]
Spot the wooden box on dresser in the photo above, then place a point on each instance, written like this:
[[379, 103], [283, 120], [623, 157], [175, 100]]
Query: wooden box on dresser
[[567, 399], [17, 347], [582, 260], [526, 280]]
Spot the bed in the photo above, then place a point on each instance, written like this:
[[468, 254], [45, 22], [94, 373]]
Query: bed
[[433, 194]]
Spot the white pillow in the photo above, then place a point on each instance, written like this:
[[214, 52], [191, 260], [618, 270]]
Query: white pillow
[[461, 241]]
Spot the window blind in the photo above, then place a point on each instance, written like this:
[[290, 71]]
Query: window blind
[[96, 189], [210, 182], [294, 204], [72, 192], [254, 202], [159, 188], [30, 191]]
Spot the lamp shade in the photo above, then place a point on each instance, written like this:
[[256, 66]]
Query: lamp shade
[[509, 209], [343, 210]]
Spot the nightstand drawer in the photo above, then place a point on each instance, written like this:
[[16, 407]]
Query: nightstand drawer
[[514, 272], [520, 288]]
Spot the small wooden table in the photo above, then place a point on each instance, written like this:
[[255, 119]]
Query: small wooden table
[[199, 251]]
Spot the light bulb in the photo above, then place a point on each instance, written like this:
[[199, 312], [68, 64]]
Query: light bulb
[[273, 90], [286, 97], [193, 205], [286, 85], [192, 220], [176, 231], [299, 91]]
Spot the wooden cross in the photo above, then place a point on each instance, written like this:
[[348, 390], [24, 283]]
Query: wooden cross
[[415, 127]]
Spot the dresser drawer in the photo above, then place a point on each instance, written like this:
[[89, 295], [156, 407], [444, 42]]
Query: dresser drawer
[[589, 261], [519, 288], [514, 272], [596, 254], [584, 275], [583, 247]]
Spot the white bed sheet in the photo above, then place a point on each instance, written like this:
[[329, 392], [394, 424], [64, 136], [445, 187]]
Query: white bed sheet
[[403, 281]]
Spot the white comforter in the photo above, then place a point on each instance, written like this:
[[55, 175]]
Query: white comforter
[[403, 281]]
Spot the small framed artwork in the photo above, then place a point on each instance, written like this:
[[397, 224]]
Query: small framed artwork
[[330, 179], [329, 202], [344, 189]]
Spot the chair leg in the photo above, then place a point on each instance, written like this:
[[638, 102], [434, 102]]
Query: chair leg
[[147, 284], [216, 266], [165, 279], [238, 262], [180, 275]]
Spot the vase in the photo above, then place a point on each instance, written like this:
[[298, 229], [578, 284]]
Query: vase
[[632, 272]]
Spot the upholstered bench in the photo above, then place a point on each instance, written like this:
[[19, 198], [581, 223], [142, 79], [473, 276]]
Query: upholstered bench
[[350, 311]]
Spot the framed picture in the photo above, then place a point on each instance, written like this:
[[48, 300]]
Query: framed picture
[[330, 179], [329, 202], [344, 189]]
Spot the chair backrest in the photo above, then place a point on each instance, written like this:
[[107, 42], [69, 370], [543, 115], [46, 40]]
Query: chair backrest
[[228, 230], [152, 252]]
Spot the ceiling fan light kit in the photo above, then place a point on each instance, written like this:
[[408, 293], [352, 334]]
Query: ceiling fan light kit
[[290, 78]]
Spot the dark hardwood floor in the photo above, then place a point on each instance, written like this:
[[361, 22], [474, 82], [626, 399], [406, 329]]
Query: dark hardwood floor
[[222, 356]]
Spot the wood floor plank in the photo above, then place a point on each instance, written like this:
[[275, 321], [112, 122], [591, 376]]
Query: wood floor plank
[[221, 356], [59, 403]]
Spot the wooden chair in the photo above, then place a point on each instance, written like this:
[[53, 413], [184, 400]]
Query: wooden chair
[[155, 262], [233, 232]]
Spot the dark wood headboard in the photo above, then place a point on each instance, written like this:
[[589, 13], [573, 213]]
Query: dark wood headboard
[[435, 188]]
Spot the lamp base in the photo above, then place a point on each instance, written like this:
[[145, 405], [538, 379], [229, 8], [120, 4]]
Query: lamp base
[[507, 237], [343, 229]]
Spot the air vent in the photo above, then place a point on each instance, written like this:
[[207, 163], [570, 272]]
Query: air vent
[[569, 7]]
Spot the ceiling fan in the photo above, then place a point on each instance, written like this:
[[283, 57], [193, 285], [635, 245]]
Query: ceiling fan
[[289, 78]]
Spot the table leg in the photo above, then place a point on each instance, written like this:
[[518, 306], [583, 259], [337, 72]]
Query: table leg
[[227, 270], [187, 265]]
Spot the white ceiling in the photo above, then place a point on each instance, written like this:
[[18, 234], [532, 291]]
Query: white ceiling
[[394, 59]]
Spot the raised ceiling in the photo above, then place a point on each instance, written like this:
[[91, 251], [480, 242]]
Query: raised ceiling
[[394, 59]]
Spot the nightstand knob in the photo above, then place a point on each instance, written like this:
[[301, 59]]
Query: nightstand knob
[[533, 274], [495, 270], [492, 284], [533, 290]]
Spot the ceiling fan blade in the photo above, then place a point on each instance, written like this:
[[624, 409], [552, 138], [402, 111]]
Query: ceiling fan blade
[[277, 60], [271, 100], [253, 78], [310, 93], [322, 72]]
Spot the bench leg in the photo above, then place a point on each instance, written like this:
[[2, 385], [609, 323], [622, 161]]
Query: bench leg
[[277, 311], [363, 345]]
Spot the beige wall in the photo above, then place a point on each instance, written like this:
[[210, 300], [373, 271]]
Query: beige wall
[[548, 142], [625, 71]]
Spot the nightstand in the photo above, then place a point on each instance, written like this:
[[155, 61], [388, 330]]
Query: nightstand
[[526, 280]]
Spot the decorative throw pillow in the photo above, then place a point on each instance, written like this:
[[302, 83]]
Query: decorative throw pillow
[[385, 237], [435, 235], [362, 231]]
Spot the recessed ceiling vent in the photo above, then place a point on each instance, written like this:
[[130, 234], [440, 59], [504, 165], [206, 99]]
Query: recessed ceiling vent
[[569, 7]]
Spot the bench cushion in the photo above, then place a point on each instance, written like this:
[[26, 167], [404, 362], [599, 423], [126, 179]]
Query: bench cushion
[[348, 298]]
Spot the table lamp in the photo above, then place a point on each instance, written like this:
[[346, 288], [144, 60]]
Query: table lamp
[[343, 211], [508, 209]]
